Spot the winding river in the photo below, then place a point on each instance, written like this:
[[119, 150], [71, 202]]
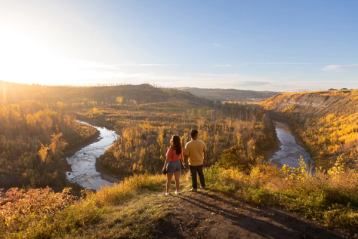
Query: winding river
[[83, 162], [290, 151]]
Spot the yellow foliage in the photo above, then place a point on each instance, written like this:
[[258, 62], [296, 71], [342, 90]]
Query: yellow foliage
[[119, 100], [129, 187], [43, 153], [326, 121]]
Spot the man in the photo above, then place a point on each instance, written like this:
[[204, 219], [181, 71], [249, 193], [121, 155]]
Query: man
[[195, 152]]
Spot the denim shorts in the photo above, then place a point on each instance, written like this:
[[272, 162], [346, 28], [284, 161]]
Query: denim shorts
[[174, 166]]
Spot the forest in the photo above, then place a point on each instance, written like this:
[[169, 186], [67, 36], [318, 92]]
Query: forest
[[38, 129], [36, 136], [327, 123], [242, 132]]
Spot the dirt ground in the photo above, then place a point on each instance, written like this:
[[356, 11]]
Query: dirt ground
[[206, 214]]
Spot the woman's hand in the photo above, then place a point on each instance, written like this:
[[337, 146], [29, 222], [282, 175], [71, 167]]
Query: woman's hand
[[164, 169], [182, 164]]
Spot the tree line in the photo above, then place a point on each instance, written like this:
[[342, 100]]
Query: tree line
[[33, 140]]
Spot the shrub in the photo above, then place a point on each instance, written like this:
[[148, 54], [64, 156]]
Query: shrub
[[128, 188], [45, 214], [331, 199]]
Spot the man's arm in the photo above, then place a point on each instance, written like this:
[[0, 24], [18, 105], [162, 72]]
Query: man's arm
[[204, 153], [186, 154]]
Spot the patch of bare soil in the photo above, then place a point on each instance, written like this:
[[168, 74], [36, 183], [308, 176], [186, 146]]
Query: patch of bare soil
[[208, 215]]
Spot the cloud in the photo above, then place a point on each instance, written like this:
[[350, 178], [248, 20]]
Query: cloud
[[282, 63], [275, 63], [146, 65], [64, 71], [261, 63], [339, 68]]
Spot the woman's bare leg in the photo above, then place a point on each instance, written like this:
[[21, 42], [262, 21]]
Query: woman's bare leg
[[169, 180], [177, 177]]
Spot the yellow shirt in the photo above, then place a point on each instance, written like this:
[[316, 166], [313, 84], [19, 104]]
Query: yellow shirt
[[195, 149]]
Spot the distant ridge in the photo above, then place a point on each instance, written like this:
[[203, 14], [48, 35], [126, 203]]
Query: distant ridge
[[229, 94], [141, 94]]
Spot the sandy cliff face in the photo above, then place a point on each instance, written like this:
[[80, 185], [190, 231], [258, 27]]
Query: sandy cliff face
[[326, 121], [317, 103]]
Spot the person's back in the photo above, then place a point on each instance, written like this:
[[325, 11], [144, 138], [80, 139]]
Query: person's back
[[195, 149]]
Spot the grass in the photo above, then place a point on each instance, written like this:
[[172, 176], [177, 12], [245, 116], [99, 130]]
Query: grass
[[134, 209], [137, 219], [97, 209], [128, 189], [330, 199]]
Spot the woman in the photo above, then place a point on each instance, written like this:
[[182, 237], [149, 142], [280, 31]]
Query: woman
[[173, 162]]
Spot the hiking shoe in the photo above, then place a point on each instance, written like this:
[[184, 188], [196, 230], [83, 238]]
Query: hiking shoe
[[176, 192], [166, 194], [193, 190]]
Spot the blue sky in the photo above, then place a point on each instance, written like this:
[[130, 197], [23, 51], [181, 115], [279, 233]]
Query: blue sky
[[256, 44]]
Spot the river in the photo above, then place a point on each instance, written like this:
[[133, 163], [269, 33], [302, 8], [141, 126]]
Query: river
[[290, 151], [83, 162]]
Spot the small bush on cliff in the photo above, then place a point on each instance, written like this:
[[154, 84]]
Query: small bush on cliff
[[45, 214], [331, 199]]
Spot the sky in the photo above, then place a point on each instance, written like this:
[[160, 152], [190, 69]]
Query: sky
[[275, 45]]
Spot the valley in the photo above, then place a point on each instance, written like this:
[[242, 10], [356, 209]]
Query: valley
[[128, 131], [326, 122], [178, 119]]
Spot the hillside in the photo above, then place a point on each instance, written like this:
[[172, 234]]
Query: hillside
[[34, 139], [130, 94], [136, 208], [38, 129], [245, 196], [326, 121], [229, 94]]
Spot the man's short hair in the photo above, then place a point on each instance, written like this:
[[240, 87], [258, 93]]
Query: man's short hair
[[194, 133]]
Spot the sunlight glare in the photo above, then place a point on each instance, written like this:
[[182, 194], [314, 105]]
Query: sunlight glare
[[28, 60]]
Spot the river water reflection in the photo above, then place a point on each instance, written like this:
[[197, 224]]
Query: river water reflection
[[290, 151], [83, 162]]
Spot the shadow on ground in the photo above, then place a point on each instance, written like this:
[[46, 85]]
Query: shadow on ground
[[208, 215]]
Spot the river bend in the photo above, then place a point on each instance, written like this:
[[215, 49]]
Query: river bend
[[83, 162]]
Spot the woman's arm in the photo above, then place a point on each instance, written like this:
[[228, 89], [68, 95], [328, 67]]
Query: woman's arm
[[167, 159], [182, 159]]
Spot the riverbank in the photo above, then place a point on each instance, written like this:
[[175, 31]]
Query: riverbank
[[83, 162], [280, 117], [78, 137], [290, 152], [69, 152], [325, 121], [107, 174]]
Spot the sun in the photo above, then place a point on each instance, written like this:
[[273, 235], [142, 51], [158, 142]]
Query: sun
[[24, 58]]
